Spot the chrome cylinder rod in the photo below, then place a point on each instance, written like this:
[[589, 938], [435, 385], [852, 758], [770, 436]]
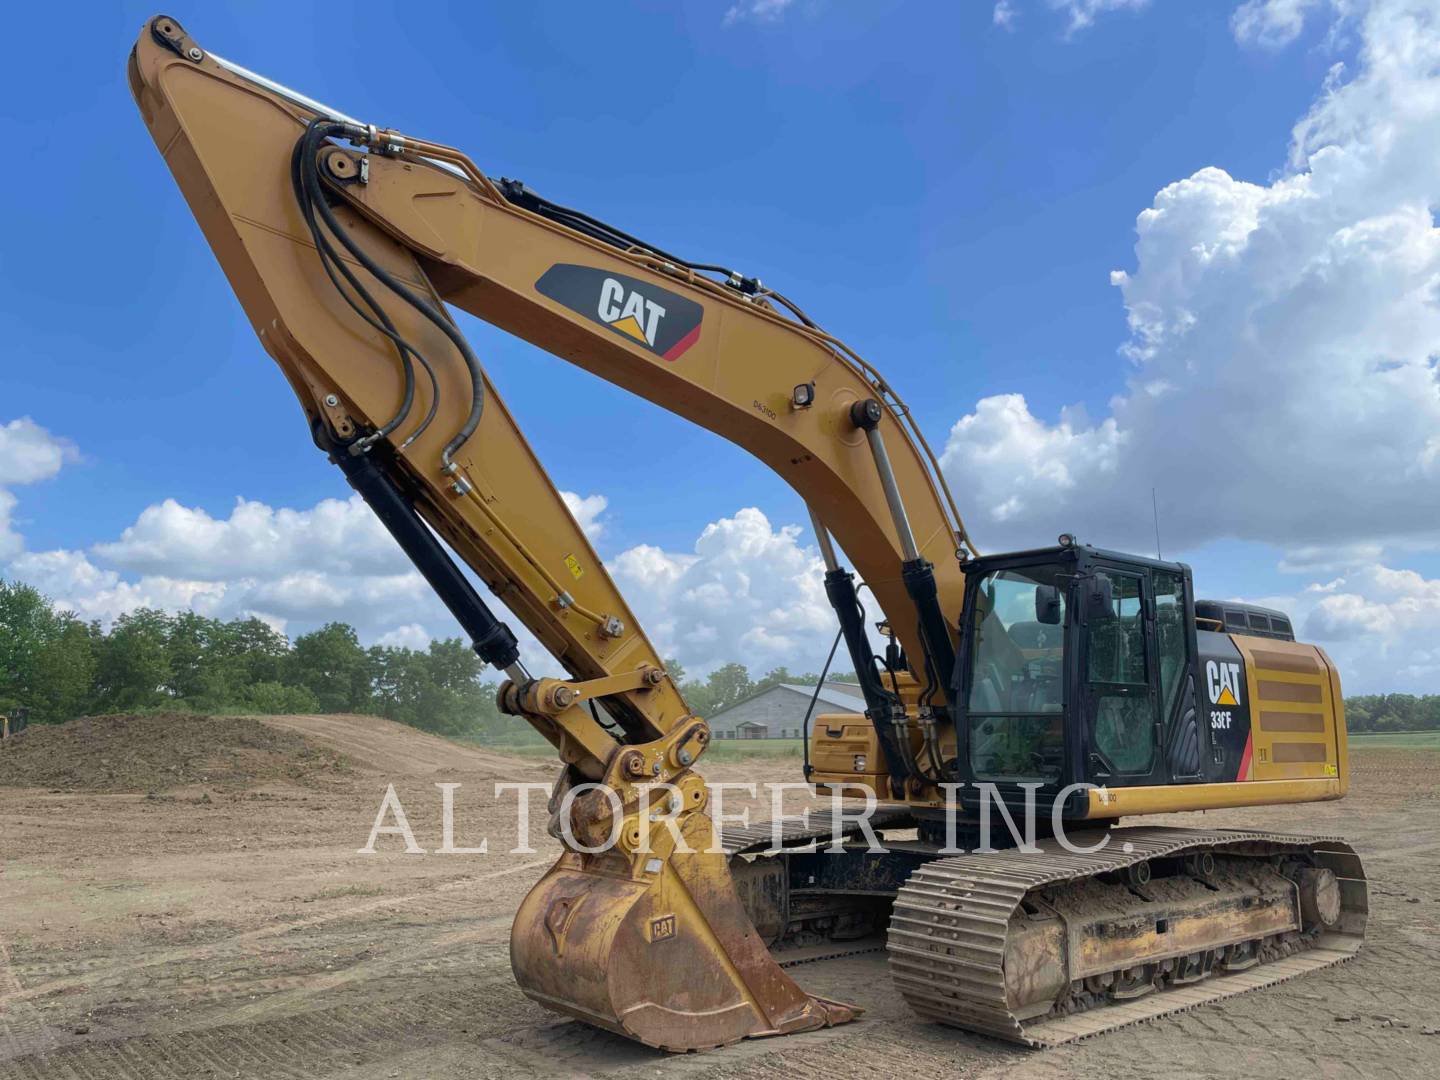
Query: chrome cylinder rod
[[822, 537]]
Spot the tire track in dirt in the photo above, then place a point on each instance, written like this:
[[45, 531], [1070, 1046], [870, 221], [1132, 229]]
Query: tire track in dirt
[[22, 1030], [17, 993], [303, 1046]]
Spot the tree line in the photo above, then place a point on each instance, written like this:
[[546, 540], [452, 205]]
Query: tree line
[[1393, 712], [58, 666]]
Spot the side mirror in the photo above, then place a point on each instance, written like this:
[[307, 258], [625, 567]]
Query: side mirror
[[1100, 597], [1047, 605]]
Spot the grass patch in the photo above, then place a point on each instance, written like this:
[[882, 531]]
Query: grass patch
[[753, 749], [1395, 740]]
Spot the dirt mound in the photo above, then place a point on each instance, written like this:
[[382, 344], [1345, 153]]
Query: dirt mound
[[392, 749], [162, 751]]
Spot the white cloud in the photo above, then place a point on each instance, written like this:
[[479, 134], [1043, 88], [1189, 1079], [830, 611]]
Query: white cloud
[[1004, 15], [1273, 24], [1283, 342], [74, 583], [1380, 624], [1081, 14], [747, 591], [761, 11], [293, 568], [587, 510], [409, 636], [1014, 465], [334, 536], [28, 455]]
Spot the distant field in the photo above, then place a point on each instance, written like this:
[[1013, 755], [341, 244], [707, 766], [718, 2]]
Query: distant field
[[1397, 740], [740, 749]]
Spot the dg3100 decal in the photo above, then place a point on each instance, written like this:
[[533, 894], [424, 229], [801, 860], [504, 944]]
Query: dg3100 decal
[[659, 320]]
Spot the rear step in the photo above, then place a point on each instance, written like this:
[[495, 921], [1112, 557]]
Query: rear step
[[978, 941]]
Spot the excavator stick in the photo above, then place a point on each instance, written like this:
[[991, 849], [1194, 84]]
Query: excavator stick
[[650, 941]]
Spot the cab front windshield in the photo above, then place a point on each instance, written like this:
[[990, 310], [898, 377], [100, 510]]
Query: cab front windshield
[[1017, 665]]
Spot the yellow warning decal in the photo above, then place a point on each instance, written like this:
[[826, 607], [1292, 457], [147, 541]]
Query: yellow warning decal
[[573, 565], [1226, 698]]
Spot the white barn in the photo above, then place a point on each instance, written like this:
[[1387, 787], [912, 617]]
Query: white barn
[[778, 712]]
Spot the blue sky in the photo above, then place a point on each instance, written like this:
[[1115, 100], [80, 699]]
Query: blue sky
[[947, 193]]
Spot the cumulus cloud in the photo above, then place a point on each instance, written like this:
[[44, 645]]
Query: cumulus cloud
[[256, 540], [746, 591], [1283, 343], [28, 455], [1380, 624], [1004, 15], [293, 568], [409, 636], [586, 510], [1081, 14]]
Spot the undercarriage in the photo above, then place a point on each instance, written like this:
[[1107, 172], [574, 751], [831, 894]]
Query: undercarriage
[[1047, 945]]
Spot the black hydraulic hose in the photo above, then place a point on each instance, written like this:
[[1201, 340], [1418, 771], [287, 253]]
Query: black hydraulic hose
[[331, 261], [516, 192], [308, 190], [794, 308], [805, 724], [318, 130]]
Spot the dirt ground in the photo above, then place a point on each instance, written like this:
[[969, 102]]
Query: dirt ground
[[210, 928]]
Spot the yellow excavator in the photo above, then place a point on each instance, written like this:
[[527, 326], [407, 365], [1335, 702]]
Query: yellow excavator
[[1085, 682]]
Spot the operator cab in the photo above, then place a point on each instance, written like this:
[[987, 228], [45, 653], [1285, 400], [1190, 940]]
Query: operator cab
[[1077, 664]]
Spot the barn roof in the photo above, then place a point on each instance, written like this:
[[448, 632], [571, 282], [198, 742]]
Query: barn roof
[[830, 699]]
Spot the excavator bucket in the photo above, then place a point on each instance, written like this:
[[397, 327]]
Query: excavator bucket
[[667, 955]]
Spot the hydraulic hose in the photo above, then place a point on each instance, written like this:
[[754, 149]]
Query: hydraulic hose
[[319, 130]]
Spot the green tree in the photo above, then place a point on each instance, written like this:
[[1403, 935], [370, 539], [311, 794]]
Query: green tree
[[725, 686], [63, 686], [259, 649], [133, 666], [330, 663], [274, 699], [779, 675], [27, 622], [192, 649]]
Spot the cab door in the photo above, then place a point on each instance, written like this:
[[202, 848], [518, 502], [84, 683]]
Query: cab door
[[1183, 736], [1121, 684]]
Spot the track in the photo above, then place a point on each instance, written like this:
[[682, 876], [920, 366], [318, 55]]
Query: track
[[951, 919]]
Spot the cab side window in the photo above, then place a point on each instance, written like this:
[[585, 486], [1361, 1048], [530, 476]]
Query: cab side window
[[1171, 643], [1117, 640], [1124, 718]]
